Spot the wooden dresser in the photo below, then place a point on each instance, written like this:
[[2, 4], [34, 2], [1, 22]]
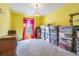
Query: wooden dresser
[[8, 46]]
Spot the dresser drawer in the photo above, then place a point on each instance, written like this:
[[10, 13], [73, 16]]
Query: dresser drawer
[[11, 52], [8, 46]]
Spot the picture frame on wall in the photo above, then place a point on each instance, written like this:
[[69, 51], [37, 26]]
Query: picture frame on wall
[[74, 19]]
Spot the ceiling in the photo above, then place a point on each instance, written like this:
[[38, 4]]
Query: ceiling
[[28, 8]]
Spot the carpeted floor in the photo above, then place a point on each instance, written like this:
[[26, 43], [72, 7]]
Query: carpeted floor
[[34, 47]]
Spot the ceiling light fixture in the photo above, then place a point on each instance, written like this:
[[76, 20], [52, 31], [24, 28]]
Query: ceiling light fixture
[[36, 10]]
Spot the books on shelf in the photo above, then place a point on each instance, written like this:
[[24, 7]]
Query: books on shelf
[[49, 33], [42, 32], [65, 37], [53, 35]]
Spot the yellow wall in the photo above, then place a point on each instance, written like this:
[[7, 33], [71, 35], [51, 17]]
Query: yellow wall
[[61, 15], [17, 22], [4, 19], [38, 20]]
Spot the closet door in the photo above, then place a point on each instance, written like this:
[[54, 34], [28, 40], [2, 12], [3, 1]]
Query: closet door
[[28, 31]]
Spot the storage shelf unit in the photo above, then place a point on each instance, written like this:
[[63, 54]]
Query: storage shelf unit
[[53, 35], [38, 33], [43, 32], [65, 37], [49, 34], [77, 40]]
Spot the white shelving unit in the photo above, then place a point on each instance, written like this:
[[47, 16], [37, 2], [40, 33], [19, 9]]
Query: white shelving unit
[[49, 33], [43, 32]]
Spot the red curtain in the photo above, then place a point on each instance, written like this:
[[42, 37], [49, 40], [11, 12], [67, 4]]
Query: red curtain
[[28, 30]]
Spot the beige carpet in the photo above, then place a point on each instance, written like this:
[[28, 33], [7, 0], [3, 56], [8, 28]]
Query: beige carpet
[[34, 47]]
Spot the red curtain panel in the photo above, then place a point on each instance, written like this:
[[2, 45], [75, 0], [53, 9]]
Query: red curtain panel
[[28, 30]]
